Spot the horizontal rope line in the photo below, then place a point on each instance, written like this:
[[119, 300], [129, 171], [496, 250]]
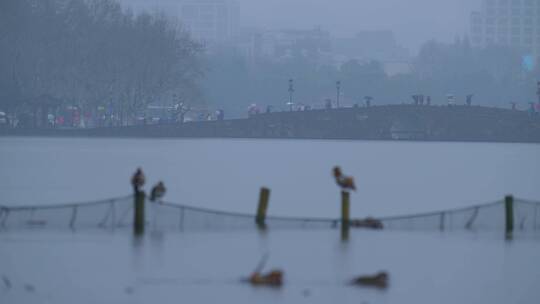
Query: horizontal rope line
[[250, 216], [67, 205]]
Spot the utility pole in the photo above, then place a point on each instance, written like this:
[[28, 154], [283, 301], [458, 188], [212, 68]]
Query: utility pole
[[338, 88], [469, 99], [368, 100], [538, 90], [291, 91]]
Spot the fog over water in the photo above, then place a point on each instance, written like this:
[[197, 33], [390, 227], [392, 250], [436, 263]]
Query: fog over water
[[392, 177]]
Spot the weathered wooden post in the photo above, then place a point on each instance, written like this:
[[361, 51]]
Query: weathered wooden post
[[509, 211], [260, 218], [138, 213], [441, 222], [345, 215]]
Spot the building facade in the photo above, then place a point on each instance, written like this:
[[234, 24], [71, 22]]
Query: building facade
[[508, 22], [211, 21], [371, 45]]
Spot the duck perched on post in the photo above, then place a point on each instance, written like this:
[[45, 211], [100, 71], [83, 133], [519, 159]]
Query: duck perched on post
[[158, 191], [379, 280], [138, 180], [345, 182]]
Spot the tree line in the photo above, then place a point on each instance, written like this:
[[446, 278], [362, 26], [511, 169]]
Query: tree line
[[494, 75], [93, 54]]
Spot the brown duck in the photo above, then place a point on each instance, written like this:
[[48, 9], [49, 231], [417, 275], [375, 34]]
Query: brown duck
[[378, 280], [345, 182], [273, 278], [158, 191], [137, 180]]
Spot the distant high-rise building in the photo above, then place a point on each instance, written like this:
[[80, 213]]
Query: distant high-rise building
[[211, 21], [508, 22], [313, 45], [308, 43], [371, 45]]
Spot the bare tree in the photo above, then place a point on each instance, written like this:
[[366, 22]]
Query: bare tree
[[91, 53]]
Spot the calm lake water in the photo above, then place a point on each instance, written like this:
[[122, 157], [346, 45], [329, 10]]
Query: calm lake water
[[393, 178], [207, 267]]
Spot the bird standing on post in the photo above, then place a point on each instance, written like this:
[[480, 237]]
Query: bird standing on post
[[158, 191], [345, 182], [137, 180]]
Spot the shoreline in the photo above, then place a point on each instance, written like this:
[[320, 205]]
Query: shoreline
[[380, 123]]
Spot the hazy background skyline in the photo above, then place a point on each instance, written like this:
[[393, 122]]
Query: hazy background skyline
[[413, 22], [241, 55]]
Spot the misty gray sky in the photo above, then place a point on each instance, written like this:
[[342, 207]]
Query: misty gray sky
[[413, 21]]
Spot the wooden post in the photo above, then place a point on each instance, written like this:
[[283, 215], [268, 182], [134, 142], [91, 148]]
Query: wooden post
[[441, 222], [260, 218], [509, 208], [345, 215], [138, 213]]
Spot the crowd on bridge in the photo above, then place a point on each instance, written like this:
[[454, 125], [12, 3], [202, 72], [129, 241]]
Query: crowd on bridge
[[73, 116]]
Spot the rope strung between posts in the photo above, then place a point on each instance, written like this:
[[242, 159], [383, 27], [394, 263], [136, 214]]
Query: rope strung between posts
[[118, 212]]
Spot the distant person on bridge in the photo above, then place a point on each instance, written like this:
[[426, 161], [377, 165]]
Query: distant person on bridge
[[469, 99], [253, 109], [368, 100], [532, 110], [514, 107], [137, 180], [328, 103], [220, 114], [416, 99]]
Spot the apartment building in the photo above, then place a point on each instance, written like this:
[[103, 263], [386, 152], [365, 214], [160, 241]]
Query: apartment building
[[211, 21], [508, 22]]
